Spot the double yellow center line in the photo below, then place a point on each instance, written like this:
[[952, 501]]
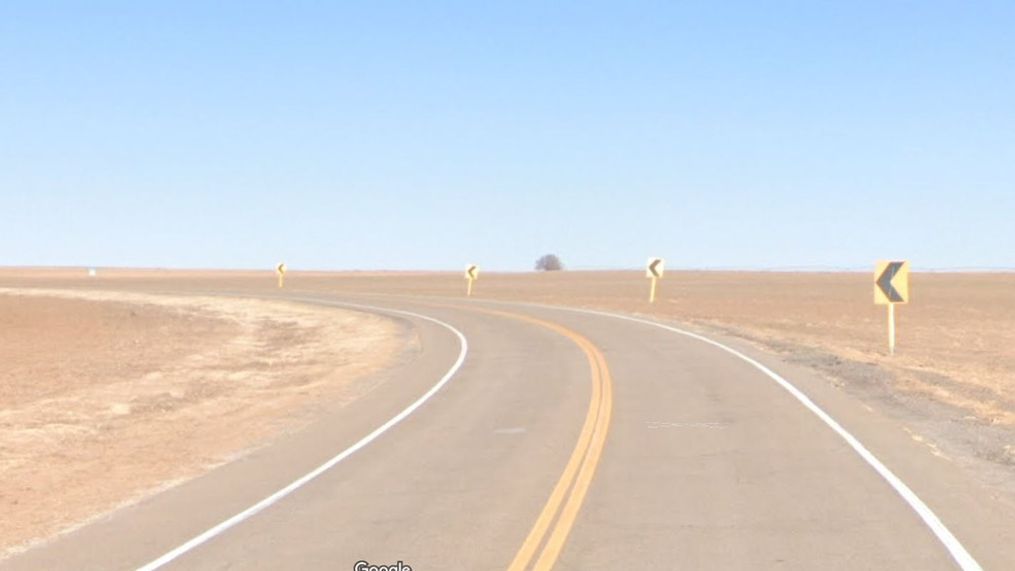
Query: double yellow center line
[[558, 516]]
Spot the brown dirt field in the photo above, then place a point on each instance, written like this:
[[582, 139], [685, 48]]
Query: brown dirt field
[[106, 398]]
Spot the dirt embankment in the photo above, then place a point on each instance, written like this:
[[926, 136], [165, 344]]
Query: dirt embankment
[[107, 397]]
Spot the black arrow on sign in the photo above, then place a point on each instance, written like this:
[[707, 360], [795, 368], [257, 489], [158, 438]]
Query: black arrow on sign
[[652, 267], [472, 272], [885, 282]]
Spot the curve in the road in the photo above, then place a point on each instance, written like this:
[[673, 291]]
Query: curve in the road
[[959, 553], [554, 523], [253, 510], [557, 518]]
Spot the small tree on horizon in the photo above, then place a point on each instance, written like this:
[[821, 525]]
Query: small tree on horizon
[[549, 263]]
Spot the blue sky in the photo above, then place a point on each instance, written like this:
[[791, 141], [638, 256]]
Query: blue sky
[[428, 135]]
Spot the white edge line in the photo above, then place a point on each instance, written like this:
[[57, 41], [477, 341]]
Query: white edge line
[[253, 510], [962, 557]]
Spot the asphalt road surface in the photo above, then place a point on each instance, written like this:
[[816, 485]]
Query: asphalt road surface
[[534, 438]]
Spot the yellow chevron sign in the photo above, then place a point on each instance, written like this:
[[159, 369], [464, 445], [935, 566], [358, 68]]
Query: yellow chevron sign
[[471, 275], [891, 287], [655, 268], [891, 283]]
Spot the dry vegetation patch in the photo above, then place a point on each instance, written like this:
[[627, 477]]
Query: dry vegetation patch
[[105, 397]]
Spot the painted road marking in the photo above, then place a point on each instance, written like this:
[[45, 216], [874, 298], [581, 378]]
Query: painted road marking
[[657, 424], [955, 548], [260, 506], [516, 430], [959, 553], [557, 518]]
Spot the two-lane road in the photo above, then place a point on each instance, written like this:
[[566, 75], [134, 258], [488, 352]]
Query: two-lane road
[[531, 437]]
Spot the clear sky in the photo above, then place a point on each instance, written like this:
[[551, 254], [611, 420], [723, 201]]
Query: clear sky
[[429, 135]]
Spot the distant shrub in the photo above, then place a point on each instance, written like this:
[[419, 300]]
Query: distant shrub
[[549, 263]]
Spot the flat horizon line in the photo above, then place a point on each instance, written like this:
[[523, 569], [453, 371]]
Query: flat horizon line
[[758, 269]]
